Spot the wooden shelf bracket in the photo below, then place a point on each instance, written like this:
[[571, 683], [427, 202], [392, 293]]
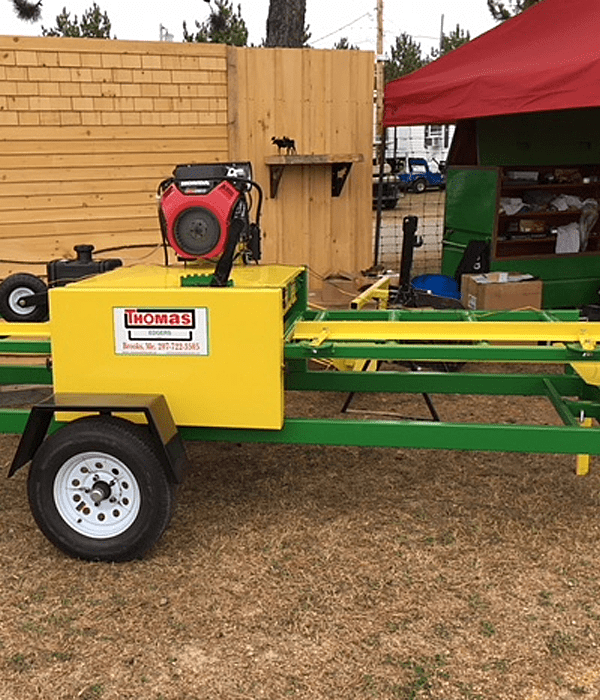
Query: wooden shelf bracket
[[340, 168]]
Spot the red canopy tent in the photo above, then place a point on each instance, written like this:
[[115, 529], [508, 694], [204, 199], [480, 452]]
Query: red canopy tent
[[546, 58]]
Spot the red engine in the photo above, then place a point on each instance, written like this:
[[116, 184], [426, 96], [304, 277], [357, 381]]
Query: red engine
[[204, 212]]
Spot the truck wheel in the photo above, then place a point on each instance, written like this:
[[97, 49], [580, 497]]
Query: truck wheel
[[98, 489], [420, 186], [17, 287]]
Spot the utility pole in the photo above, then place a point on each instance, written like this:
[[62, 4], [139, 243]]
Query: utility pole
[[379, 70], [379, 131]]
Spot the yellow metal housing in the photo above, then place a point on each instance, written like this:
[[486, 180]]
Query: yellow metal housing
[[111, 334]]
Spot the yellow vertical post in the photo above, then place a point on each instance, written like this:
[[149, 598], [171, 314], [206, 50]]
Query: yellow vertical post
[[582, 464]]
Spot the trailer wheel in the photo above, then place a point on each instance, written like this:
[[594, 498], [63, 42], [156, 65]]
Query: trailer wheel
[[98, 489], [17, 287]]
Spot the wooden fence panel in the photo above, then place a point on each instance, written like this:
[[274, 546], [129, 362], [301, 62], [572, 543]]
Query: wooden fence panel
[[88, 128]]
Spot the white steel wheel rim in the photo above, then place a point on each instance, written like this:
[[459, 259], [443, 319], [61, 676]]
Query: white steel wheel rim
[[15, 297], [96, 495]]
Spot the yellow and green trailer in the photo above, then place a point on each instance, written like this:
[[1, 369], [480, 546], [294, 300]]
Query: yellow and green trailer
[[143, 359]]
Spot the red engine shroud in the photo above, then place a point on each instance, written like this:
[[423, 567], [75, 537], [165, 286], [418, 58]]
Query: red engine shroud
[[220, 202]]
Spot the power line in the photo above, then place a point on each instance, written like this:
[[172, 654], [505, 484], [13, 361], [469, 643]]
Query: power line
[[354, 21]]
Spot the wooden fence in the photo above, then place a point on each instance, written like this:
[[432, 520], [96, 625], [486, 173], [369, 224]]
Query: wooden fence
[[323, 100], [88, 128]]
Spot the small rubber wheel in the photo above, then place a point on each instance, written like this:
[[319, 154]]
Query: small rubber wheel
[[17, 287], [420, 186], [98, 489]]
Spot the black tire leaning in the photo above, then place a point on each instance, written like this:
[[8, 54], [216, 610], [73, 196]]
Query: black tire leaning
[[98, 447], [16, 287]]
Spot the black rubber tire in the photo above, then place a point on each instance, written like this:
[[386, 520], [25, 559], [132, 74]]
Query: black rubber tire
[[111, 438], [22, 284], [420, 186]]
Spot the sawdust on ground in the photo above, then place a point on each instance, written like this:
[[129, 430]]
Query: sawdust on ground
[[313, 573]]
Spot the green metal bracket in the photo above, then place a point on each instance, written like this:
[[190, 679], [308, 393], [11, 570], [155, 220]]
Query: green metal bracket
[[200, 281]]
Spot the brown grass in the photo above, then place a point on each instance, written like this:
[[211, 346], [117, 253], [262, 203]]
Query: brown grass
[[324, 573]]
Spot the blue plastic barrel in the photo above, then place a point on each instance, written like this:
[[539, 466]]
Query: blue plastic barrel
[[440, 285]]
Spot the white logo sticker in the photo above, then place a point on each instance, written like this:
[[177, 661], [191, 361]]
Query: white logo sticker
[[146, 331]]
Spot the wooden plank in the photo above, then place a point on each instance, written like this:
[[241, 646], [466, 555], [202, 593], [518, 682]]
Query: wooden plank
[[295, 232], [85, 215], [106, 133], [78, 202], [314, 159], [57, 188], [217, 142], [261, 116], [342, 87], [103, 47], [317, 234], [79, 227], [315, 101], [343, 207], [233, 103], [361, 182], [154, 172], [288, 122], [49, 162]]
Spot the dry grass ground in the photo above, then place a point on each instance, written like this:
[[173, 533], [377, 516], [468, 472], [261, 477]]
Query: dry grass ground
[[314, 573]]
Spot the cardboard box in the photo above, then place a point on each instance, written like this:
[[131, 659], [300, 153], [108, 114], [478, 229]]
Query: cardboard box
[[500, 291]]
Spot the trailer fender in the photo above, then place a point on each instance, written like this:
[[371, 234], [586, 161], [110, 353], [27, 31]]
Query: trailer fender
[[153, 406]]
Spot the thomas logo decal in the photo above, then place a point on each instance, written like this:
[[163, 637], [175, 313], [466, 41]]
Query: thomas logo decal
[[161, 331]]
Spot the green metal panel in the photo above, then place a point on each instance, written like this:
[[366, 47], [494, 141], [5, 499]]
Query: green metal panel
[[27, 347], [569, 137], [470, 212], [471, 200], [453, 248], [13, 374], [12, 422], [571, 292], [569, 280]]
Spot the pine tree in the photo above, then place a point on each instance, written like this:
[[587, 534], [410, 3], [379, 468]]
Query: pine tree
[[224, 26], [343, 43], [28, 11], [405, 57], [94, 24], [501, 11], [451, 41]]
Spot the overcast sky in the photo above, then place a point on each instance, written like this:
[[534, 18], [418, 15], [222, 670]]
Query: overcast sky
[[328, 19]]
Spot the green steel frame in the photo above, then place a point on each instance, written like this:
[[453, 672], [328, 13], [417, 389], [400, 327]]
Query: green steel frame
[[572, 398]]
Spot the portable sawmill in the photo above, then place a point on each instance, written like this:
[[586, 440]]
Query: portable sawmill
[[144, 358]]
